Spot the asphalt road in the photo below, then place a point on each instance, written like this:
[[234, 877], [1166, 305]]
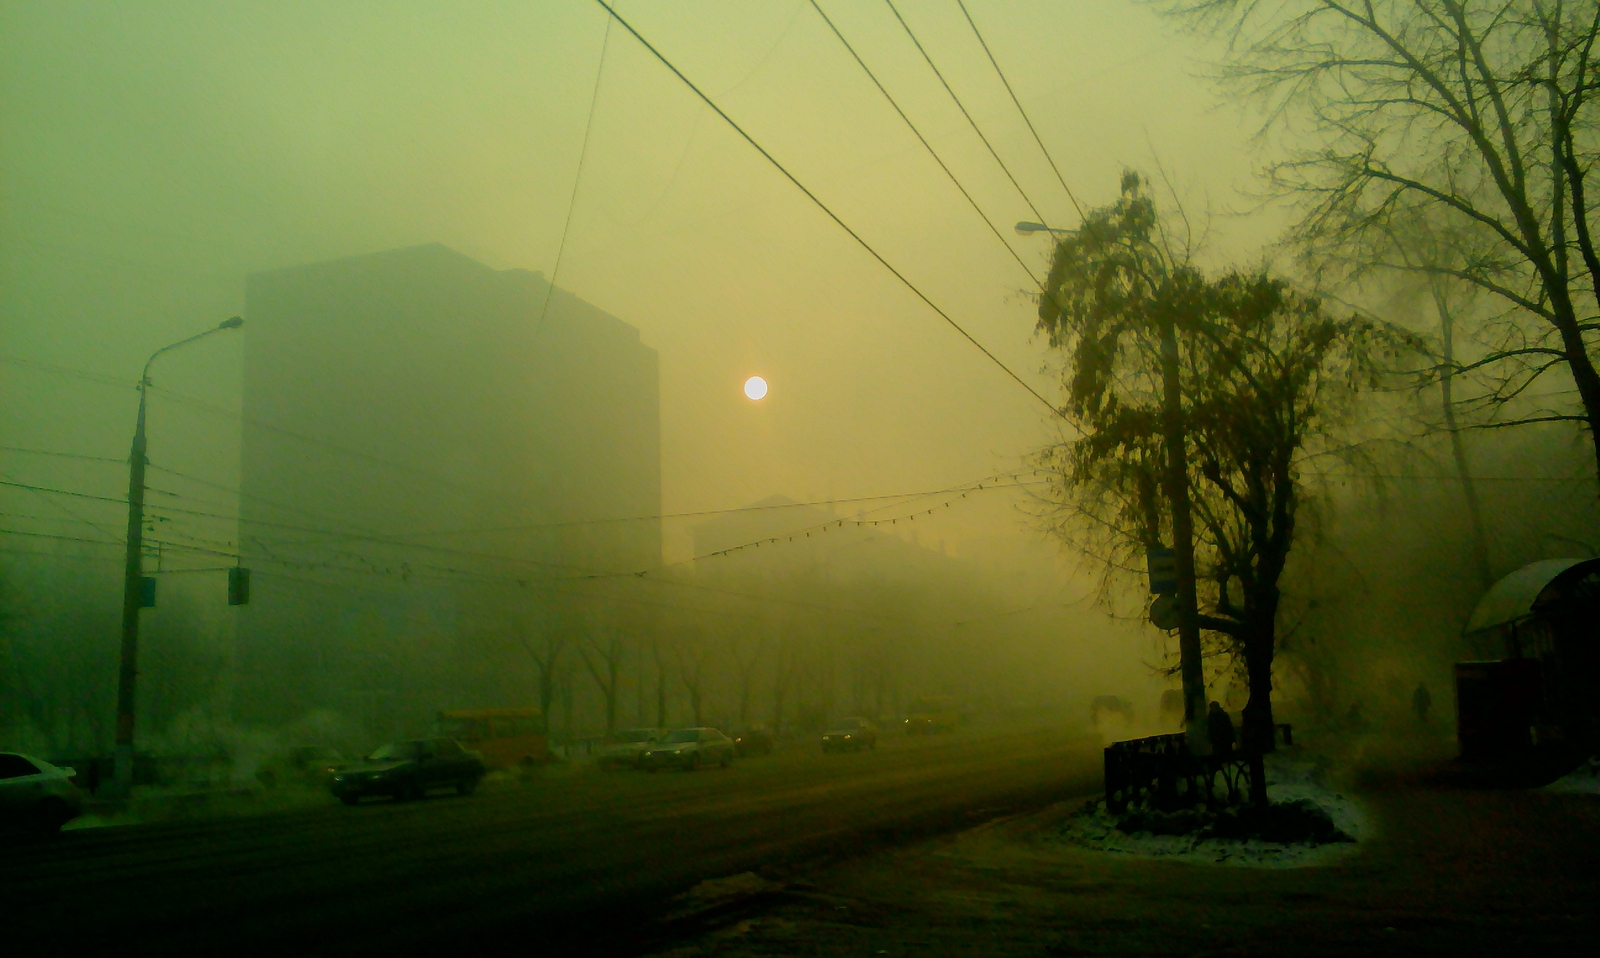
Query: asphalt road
[[567, 863], [1442, 871]]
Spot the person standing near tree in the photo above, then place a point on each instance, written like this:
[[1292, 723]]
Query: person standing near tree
[[1421, 702], [1220, 730]]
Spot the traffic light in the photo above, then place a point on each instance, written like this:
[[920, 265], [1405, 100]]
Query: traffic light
[[238, 586]]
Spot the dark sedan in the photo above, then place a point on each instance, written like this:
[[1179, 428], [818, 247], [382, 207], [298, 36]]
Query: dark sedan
[[403, 770], [755, 740], [851, 734]]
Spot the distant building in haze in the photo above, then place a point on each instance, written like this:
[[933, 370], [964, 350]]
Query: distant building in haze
[[431, 455]]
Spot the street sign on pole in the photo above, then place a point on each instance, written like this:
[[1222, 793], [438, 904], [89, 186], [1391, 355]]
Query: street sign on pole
[[1164, 612], [147, 592], [1162, 564]]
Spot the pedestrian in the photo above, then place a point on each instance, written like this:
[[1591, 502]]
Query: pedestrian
[[1421, 702], [1219, 728]]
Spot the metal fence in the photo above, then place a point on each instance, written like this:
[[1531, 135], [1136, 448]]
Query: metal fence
[[1162, 772]]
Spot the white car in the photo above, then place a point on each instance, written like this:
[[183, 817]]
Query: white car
[[35, 795]]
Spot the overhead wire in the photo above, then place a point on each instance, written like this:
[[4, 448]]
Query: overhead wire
[[64, 455], [925, 144], [577, 180], [915, 290], [963, 108], [215, 409], [1018, 103]]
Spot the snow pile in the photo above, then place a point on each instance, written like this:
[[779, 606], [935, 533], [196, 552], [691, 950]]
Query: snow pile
[[1326, 825], [1583, 780]]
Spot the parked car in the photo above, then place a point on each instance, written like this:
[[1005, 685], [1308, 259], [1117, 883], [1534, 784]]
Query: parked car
[[755, 740], [689, 748], [405, 770], [36, 796], [628, 746], [850, 735]]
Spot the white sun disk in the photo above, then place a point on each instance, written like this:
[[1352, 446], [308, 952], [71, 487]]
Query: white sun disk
[[755, 387]]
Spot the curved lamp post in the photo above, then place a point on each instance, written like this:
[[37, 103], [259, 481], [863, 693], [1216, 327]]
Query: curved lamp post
[[133, 572]]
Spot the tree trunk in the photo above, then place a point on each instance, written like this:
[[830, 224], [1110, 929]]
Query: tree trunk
[[694, 701], [1258, 736], [1587, 380], [1458, 449], [547, 690]]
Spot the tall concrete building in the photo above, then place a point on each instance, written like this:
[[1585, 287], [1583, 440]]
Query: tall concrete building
[[435, 455]]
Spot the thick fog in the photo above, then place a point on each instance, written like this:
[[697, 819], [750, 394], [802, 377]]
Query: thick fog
[[482, 439]]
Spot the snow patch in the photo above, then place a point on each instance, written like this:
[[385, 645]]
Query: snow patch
[[1287, 781], [1583, 780]]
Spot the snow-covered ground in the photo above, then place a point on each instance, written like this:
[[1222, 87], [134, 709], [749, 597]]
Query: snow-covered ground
[[1288, 780], [1585, 779]]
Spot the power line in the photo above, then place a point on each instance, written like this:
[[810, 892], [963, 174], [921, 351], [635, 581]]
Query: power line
[[68, 371], [1025, 118], [62, 492], [46, 535], [213, 408], [820, 528], [314, 441], [925, 144], [696, 514], [155, 508], [962, 107], [577, 179], [825, 209], [64, 455]]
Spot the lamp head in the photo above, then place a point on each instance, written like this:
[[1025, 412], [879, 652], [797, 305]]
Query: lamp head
[[232, 322], [1025, 228]]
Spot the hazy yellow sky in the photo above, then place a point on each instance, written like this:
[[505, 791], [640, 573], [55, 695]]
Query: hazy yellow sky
[[152, 154]]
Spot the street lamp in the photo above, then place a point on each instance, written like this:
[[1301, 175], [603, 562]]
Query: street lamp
[[1028, 228], [133, 572]]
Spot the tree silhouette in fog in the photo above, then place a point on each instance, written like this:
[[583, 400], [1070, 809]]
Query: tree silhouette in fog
[[1268, 375], [1475, 120]]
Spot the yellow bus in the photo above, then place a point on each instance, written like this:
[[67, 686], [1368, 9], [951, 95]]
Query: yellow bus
[[504, 737]]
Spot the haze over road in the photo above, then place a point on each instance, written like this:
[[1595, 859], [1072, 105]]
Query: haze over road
[[564, 859]]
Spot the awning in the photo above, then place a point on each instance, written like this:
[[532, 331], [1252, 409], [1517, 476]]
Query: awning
[[1517, 595]]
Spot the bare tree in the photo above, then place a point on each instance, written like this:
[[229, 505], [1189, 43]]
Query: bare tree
[[603, 652], [546, 643], [785, 663], [748, 647], [1478, 117], [694, 654], [661, 655]]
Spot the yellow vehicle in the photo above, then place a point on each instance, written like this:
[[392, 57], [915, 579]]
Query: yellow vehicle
[[504, 737]]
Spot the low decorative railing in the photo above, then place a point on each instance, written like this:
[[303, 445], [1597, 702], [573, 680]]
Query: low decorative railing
[[1162, 772]]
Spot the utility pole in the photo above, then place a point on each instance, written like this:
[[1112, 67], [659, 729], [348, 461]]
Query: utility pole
[[133, 575], [1176, 481]]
